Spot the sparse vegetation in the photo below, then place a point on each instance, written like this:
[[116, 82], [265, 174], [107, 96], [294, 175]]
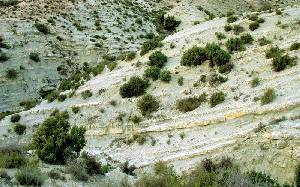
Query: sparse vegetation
[[34, 56], [30, 176], [150, 45], [86, 94], [43, 28]]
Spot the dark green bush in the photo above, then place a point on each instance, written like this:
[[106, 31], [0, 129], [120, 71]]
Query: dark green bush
[[216, 55], [297, 176], [62, 97], [216, 79], [165, 76], [170, 23], [279, 63], [191, 103], [247, 38], [253, 17], [3, 57], [157, 59], [268, 96], [126, 168], [295, 46], [11, 74], [150, 45], [237, 29], [193, 56], [55, 141], [42, 28], [232, 19], [75, 109], [15, 118], [220, 35], [136, 86], [91, 165], [130, 56], [4, 175], [19, 129], [147, 104], [254, 25], [86, 94], [263, 41], [29, 176], [227, 28], [235, 44], [216, 98], [34, 56], [152, 72], [180, 81]]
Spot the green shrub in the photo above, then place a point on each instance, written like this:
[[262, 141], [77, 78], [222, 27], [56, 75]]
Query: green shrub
[[152, 72], [268, 96], [28, 104], [253, 17], [193, 56], [98, 69], [135, 119], [165, 76], [12, 159], [62, 97], [19, 129], [77, 171], [273, 52], [111, 66], [227, 28], [150, 45], [262, 179], [263, 41], [91, 165], [279, 63], [75, 109], [237, 29], [235, 44], [55, 141], [255, 82], [157, 59], [232, 19], [52, 96], [191, 103], [11, 74], [15, 118], [254, 25], [126, 168], [147, 104], [247, 38], [216, 55], [295, 46], [3, 57], [29, 176], [42, 28], [130, 56], [86, 94], [56, 175], [180, 81], [278, 12], [216, 98], [216, 79], [226, 68], [5, 176], [170, 23], [136, 86], [220, 35], [34, 56]]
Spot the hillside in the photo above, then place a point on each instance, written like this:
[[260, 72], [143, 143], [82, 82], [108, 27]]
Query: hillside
[[247, 108]]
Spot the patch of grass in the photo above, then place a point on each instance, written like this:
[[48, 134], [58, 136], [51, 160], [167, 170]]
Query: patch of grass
[[255, 82], [180, 81], [263, 41], [220, 35], [29, 176], [254, 25], [147, 104], [28, 104], [232, 19], [191, 103], [268, 96], [237, 29], [12, 159], [273, 52], [62, 97], [216, 98]]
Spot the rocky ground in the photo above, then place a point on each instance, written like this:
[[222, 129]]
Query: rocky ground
[[261, 137]]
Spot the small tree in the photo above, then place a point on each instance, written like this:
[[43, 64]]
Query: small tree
[[147, 104], [55, 141]]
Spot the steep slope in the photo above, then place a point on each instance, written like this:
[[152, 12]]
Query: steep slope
[[240, 127]]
